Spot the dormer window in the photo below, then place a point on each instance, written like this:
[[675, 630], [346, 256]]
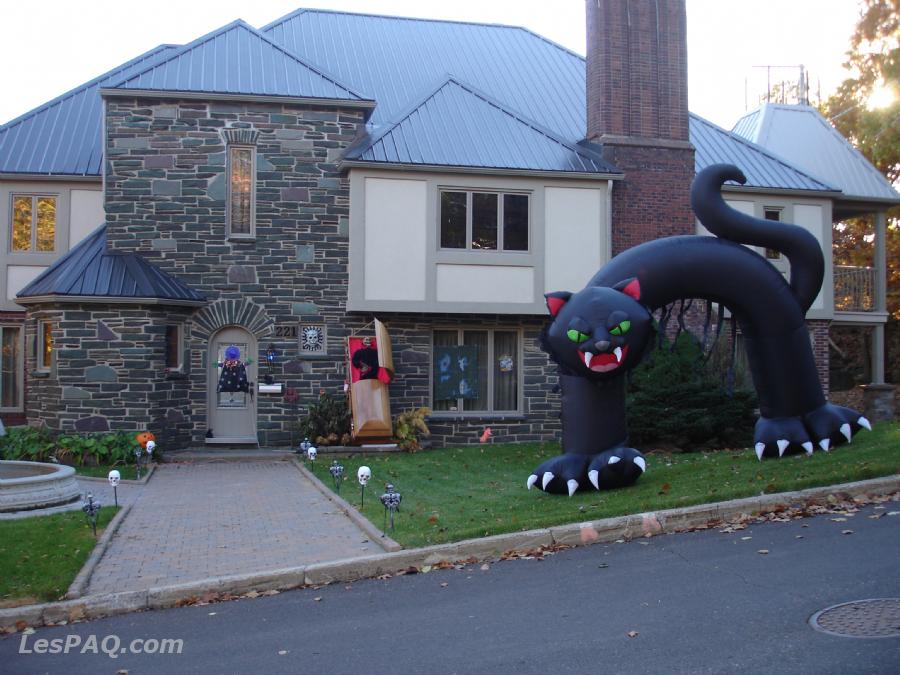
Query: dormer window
[[33, 224], [484, 221]]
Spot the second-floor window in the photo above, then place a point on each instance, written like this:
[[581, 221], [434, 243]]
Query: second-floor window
[[772, 213], [241, 190], [33, 224], [484, 221]]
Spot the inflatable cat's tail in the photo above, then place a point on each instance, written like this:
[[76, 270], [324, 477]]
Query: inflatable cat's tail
[[801, 247]]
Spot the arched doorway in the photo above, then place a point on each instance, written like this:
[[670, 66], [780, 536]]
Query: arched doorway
[[231, 413]]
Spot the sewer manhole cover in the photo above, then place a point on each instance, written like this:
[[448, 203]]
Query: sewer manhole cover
[[876, 618]]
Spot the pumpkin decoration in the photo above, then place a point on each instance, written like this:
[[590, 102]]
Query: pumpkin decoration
[[143, 437]]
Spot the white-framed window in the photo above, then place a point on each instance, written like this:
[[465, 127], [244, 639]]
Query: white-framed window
[[44, 350], [33, 223], [240, 211], [478, 220], [174, 348], [11, 362], [476, 371], [772, 213]]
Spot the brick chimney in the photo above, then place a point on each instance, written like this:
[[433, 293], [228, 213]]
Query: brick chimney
[[637, 112]]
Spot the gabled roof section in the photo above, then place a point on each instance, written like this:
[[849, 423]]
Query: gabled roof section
[[800, 135], [237, 59], [63, 135], [90, 271], [396, 59], [714, 145], [456, 125]]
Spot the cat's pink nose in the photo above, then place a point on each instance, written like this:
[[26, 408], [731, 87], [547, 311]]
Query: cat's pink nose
[[601, 345]]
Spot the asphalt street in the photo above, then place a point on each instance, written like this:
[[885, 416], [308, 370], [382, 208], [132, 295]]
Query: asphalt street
[[700, 602]]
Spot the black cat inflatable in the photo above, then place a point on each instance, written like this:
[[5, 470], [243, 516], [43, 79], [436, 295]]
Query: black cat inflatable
[[601, 332]]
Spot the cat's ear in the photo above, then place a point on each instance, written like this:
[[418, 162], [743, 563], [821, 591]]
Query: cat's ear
[[630, 287], [556, 300]]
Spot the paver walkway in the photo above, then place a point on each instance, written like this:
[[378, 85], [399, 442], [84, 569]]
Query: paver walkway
[[199, 520]]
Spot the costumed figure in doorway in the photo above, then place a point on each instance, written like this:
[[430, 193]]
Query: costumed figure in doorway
[[601, 332], [233, 377]]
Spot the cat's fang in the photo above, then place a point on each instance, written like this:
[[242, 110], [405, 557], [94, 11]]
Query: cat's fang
[[587, 359], [618, 352]]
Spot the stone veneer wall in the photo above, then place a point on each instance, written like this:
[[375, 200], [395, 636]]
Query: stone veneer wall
[[108, 371], [165, 198]]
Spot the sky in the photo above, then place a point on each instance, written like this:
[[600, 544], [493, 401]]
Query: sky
[[50, 46]]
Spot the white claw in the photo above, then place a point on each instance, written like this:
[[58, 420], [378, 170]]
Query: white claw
[[808, 446], [532, 479], [594, 475], [572, 484], [824, 444], [782, 446], [641, 462], [760, 449], [614, 460], [864, 423], [547, 478], [845, 429]]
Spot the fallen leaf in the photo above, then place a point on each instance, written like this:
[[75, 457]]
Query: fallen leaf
[[798, 536], [746, 538], [211, 614], [846, 531], [664, 489], [444, 584], [632, 633], [271, 591], [894, 513], [252, 594], [763, 551], [318, 599], [485, 567], [426, 569], [876, 516], [282, 652], [839, 520]]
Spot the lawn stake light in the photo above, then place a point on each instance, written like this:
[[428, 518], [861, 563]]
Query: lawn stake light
[[312, 453], [91, 509], [391, 501], [151, 446], [337, 472], [138, 455], [305, 445], [114, 477], [363, 474]]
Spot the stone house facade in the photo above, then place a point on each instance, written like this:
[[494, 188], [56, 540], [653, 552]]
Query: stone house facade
[[283, 216]]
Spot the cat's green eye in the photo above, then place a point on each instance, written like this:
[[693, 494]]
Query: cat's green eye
[[577, 336], [622, 328]]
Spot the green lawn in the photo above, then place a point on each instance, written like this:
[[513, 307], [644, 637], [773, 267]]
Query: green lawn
[[458, 493], [128, 471], [41, 556]]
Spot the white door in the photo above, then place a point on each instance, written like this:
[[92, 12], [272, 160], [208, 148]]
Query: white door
[[232, 413]]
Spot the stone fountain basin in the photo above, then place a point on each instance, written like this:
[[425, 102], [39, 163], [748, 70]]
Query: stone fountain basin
[[36, 485]]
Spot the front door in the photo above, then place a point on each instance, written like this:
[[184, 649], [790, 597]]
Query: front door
[[232, 387]]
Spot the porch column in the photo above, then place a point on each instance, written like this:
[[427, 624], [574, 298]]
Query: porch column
[[880, 296]]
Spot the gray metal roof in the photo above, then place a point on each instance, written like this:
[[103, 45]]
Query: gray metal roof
[[804, 138], [89, 270], [399, 60], [63, 135], [485, 134], [714, 145], [237, 59]]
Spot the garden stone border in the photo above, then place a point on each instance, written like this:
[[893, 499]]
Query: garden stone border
[[354, 569]]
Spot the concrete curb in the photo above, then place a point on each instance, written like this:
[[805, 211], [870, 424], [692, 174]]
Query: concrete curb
[[76, 590], [128, 481], [360, 520], [354, 569]]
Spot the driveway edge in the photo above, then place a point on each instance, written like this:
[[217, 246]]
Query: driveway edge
[[353, 569], [76, 589], [358, 519]]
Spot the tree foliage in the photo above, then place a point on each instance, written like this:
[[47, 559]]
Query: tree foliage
[[873, 61]]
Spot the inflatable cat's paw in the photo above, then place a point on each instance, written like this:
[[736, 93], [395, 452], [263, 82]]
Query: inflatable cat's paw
[[825, 427], [570, 472]]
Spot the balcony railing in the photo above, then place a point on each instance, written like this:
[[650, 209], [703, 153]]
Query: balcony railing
[[854, 288]]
